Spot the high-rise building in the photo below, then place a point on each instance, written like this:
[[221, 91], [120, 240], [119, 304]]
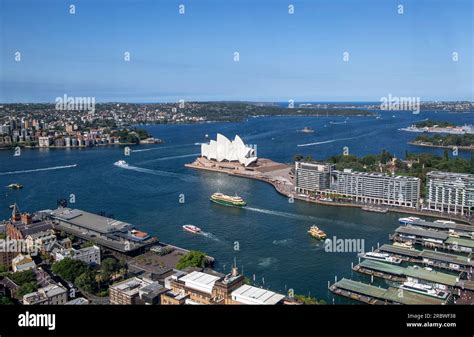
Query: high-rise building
[[377, 188], [312, 177], [374, 188], [450, 192]]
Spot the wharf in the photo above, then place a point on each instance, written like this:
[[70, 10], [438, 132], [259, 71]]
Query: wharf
[[370, 294], [400, 274]]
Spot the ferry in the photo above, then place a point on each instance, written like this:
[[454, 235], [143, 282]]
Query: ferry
[[15, 186], [226, 200], [307, 130], [121, 163], [424, 289], [192, 229], [384, 257], [316, 233], [409, 220]]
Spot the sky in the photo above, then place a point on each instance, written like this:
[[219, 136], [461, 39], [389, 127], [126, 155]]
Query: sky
[[282, 56]]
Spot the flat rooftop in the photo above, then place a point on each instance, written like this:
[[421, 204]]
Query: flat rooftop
[[90, 221], [409, 230], [247, 294], [411, 271], [442, 225], [400, 250], [451, 258], [391, 294], [460, 242], [200, 281]]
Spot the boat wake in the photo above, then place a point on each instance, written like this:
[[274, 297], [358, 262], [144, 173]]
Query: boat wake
[[38, 170], [170, 158], [283, 214], [183, 177], [162, 148], [210, 236], [336, 140]]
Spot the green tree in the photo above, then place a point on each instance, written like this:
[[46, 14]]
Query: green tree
[[4, 300], [23, 277], [27, 288], [69, 269], [86, 281], [192, 259]]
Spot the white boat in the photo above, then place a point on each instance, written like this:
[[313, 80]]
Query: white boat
[[408, 220], [121, 163], [384, 257], [192, 229], [424, 289]]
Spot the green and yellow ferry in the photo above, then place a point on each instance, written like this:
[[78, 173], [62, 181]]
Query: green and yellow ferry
[[226, 200]]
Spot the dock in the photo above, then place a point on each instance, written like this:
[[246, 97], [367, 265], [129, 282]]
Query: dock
[[402, 274], [370, 294]]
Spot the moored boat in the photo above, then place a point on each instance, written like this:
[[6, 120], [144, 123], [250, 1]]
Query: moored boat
[[384, 257], [424, 289], [226, 200], [192, 229]]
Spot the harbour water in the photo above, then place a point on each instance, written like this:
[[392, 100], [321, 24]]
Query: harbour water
[[268, 238]]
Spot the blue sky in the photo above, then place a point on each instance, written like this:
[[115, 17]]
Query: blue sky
[[190, 56]]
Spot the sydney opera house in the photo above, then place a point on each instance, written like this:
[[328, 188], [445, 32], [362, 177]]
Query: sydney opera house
[[224, 149]]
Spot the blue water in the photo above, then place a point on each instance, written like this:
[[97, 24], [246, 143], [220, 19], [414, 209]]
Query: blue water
[[271, 234]]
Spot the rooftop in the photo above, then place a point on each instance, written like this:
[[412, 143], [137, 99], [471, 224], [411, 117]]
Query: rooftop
[[247, 294], [200, 281], [409, 230]]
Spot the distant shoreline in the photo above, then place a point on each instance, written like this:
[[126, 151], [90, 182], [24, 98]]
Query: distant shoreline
[[424, 144]]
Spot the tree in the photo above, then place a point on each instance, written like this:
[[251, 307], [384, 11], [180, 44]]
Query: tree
[[27, 288], [69, 269], [109, 267], [23, 277], [192, 259], [4, 300], [86, 281]]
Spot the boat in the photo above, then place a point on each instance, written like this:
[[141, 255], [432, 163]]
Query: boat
[[121, 163], [192, 229], [375, 209], [409, 220], [407, 244], [316, 233], [384, 257], [226, 200], [307, 130], [424, 289], [15, 186]]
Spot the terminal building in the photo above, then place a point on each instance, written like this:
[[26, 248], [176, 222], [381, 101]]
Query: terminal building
[[372, 188], [451, 193], [114, 235]]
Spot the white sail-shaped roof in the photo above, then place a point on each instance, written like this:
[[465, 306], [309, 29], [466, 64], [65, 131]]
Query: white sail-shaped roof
[[222, 149]]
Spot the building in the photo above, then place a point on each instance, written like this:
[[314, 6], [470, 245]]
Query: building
[[222, 149], [114, 235], [44, 141], [136, 291], [22, 225], [362, 187], [78, 301], [377, 188], [451, 193], [40, 241], [52, 294], [22, 263], [247, 294], [312, 177], [89, 255]]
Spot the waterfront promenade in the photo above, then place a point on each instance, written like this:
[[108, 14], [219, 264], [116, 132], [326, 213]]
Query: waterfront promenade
[[280, 176]]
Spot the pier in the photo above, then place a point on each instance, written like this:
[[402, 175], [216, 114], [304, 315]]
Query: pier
[[370, 294]]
